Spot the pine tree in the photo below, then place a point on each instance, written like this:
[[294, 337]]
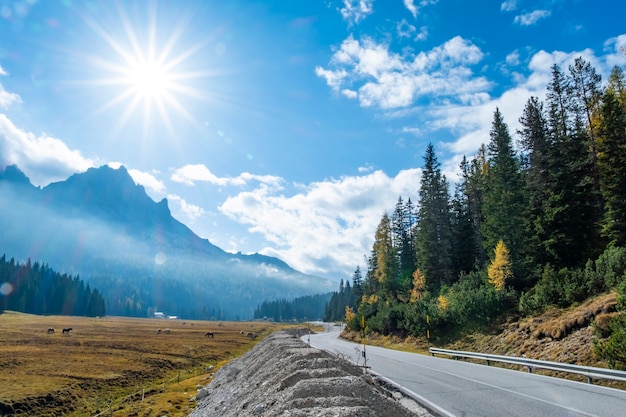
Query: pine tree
[[357, 284], [505, 198], [570, 215], [611, 145], [466, 239], [535, 142], [587, 94], [386, 272], [403, 221], [434, 235]]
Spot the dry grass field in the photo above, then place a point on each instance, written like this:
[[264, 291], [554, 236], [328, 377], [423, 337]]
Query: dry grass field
[[112, 366]]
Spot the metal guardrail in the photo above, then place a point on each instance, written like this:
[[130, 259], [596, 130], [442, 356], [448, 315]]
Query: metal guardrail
[[590, 372]]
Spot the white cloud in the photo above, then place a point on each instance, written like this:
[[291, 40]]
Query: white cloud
[[385, 79], [190, 211], [149, 181], [616, 49], [333, 78], [355, 11], [412, 130], [508, 5], [423, 34], [329, 225], [513, 58], [189, 174], [404, 29], [43, 159], [409, 4], [6, 98], [531, 18], [349, 93]]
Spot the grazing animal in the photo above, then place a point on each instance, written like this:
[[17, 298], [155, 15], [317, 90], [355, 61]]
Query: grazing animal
[[167, 331], [250, 335], [159, 331], [67, 330], [50, 330], [241, 332], [210, 334]]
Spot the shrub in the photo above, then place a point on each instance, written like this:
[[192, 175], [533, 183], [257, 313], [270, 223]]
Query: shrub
[[610, 268], [613, 349]]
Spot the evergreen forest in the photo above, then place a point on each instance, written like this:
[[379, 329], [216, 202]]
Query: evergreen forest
[[528, 225], [308, 307], [37, 289]]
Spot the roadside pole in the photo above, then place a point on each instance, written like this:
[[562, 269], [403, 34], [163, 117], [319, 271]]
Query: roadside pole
[[364, 343], [428, 331]]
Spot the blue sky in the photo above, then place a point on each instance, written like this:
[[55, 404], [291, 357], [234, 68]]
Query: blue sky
[[281, 127]]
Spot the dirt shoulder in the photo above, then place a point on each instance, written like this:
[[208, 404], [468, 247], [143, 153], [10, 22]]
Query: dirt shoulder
[[283, 376]]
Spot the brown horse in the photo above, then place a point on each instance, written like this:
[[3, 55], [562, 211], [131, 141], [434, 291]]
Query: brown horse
[[210, 334], [67, 330], [50, 330]]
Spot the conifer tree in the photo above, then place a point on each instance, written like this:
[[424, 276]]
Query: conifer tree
[[434, 235], [403, 221], [504, 204], [357, 284], [611, 145], [570, 214], [419, 286], [535, 142], [500, 270], [386, 271], [466, 240]]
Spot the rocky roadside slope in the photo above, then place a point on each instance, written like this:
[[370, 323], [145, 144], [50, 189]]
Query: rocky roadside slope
[[283, 376], [565, 336]]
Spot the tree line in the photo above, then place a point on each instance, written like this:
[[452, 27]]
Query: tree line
[[37, 289], [525, 227], [308, 307]]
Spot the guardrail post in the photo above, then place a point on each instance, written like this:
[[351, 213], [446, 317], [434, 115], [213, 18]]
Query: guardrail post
[[590, 380], [530, 369]]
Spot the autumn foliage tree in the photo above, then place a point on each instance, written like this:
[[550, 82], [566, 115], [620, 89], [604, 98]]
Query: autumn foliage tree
[[500, 268]]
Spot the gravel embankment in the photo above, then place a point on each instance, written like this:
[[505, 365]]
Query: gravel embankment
[[283, 376]]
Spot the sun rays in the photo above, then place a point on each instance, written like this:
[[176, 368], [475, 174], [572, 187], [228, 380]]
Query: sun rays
[[148, 76]]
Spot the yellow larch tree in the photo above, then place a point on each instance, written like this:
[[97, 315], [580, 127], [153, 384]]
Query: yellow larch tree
[[500, 268], [419, 285], [349, 314]]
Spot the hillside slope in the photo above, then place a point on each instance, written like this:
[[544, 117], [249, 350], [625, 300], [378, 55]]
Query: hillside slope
[[557, 335], [564, 336]]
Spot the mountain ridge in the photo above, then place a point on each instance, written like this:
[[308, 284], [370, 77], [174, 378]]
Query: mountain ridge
[[102, 225]]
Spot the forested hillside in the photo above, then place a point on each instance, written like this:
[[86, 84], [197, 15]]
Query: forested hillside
[[531, 224], [37, 289]]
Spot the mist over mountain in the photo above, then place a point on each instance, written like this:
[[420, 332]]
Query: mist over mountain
[[103, 227]]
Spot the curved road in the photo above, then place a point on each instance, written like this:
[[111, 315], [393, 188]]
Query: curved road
[[466, 389]]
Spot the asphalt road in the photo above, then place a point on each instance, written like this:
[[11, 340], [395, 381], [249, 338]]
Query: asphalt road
[[464, 389]]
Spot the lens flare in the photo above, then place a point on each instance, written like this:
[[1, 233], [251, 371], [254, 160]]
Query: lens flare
[[6, 288]]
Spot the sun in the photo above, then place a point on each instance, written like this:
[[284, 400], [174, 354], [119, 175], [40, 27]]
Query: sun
[[146, 74], [149, 80]]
